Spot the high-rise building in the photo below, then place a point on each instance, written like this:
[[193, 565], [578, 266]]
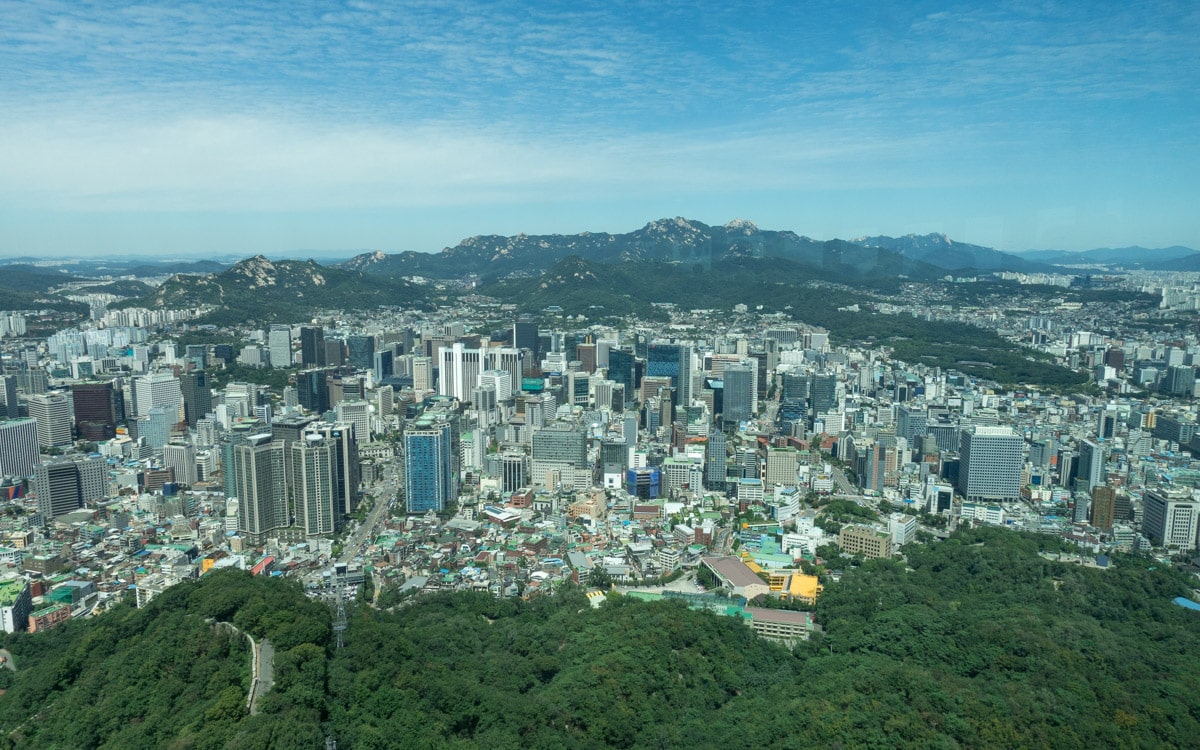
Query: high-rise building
[[312, 466], [357, 413], [458, 372], [335, 352], [714, 461], [512, 361], [312, 346], [279, 343], [823, 392], [95, 406], [990, 464], [260, 486], [1169, 518], [157, 389], [197, 396], [621, 370], [911, 422], [525, 336], [672, 361], [182, 458], [558, 447], [8, 391], [512, 470], [52, 412], [422, 374], [346, 469], [19, 452], [1091, 465], [384, 364], [360, 352], [429, 481], [65, 485], [738, 396], [155, 427], [1104, 507], [312, 390]]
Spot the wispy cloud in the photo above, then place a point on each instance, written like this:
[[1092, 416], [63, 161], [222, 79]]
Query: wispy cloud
[[307, 107]]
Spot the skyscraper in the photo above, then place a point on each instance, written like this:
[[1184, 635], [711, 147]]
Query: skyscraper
[[182, 458], [157, 389], [1091, 465], [525, 336], [312, 346], [990, 464], [312, 390], [312, 466], [671, 361], [8, 391], [1104, 507], [52, 412], [346, 469], [66, 485], [714, 461], [360, 352], [259, 485], [429, 482], [95, 406], [458, 372], [279, 342], [18, 447], [738, 395], [197, 396], [621, 370]]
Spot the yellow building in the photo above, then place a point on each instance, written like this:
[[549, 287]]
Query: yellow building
[[795, 585]]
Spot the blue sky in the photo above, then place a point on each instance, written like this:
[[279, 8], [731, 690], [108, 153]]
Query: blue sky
[[192, 128]]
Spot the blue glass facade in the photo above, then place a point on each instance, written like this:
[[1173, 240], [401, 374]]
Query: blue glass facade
[[428, 481]]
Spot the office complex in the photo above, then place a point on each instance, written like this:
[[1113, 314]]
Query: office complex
[[990, 466], [18, 447], [52, 412], [429, 481], [1170, 518]]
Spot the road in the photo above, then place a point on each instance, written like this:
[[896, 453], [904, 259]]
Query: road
[[844, 487], [381, 494]]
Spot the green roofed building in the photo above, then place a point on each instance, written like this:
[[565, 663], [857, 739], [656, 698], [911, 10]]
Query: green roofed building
[[16, 603]]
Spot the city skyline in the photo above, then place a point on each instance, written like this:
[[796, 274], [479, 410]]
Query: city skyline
[[220, 128]]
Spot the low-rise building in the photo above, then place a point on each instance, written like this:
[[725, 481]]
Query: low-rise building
[[865, 540]]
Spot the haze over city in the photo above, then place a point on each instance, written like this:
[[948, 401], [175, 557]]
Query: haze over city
[[221, 128]]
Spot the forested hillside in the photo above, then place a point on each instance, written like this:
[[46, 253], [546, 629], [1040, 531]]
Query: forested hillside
[[976, 642]]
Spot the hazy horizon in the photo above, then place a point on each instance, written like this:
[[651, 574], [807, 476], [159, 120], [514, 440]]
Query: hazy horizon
[[240, 129]]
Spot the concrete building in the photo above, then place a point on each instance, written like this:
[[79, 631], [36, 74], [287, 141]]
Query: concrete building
[[990, 466], [19, 452], [16, 604], [865, 541], [1169, 518], [52, 412], [735, 576]]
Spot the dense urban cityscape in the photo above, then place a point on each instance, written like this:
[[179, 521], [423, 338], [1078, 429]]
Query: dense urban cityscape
[[736, 461]]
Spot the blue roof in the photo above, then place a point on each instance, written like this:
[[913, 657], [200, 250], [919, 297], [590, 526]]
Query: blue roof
[[1187, 603]]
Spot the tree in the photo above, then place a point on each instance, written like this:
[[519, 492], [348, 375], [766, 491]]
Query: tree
[[599, 578]]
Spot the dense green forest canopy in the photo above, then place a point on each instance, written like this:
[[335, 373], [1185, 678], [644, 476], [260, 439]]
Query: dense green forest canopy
[[977, 641]]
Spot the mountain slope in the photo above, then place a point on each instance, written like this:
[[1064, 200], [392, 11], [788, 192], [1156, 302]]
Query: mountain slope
[[943, 252], [675, 240], [287, 290], [1117, 257]]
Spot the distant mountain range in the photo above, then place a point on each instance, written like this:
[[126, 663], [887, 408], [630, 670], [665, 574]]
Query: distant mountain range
[[286, 291], [618, 272], [685, 241], [1174, 258]]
